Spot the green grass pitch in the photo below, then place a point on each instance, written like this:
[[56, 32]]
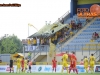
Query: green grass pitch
[[48, 74]]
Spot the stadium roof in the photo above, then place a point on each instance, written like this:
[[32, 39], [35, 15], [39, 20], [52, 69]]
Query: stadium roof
[[48, 30]]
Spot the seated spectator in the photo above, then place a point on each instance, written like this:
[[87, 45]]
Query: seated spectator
[[93, 36], [96, 35], [92, 40], [71, 33]]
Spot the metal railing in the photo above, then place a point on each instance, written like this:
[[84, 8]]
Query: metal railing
[[63, 16]]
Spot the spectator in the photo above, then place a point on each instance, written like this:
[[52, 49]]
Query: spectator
[[29, 42], [34, 62], [82, 62], [92, 40], [38, 41], [71, 33], [96, 35], [34, 41], [42, 42], [62, 21], [93, 36], [55, 39]]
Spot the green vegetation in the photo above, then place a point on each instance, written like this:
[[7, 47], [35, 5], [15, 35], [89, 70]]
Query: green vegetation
[[10, 44]]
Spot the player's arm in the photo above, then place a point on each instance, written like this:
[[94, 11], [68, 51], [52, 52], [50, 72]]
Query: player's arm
[[62, 59], [56, 62], [52, 62]]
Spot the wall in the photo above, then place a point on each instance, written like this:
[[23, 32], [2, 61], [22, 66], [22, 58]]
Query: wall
[[74, 4], [44, 59], [81, 2]]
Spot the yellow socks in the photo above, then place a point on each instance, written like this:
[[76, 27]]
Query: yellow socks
[[67, 71], [62, 70]]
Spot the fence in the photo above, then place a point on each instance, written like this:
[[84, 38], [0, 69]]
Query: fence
[[80, 49]]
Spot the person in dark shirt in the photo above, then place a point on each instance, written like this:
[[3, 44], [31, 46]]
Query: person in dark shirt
[[11, 65]]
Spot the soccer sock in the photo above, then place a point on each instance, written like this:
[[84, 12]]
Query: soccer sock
[[73, 70], [86, 70], [76, 70], [92, 70], [62, 69], [10, 70], [67, 71], [70, 70], [55, 69], [52, 69]]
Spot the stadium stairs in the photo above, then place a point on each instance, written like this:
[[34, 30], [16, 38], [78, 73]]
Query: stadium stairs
[[81, 41]]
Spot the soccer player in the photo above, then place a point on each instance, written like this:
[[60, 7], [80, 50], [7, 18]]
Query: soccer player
[[11, 65], [86, 63], [65, 62], [92, 62], [18, 64], [73, 63], [30, 63], [54, 64], [22, 65], [25, 64]]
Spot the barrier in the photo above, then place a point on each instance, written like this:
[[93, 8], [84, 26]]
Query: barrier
[[48, 68]]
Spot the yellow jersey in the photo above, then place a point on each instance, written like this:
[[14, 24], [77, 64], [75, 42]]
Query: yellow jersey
[[18, 61], [92, 59], [25, 62], [65, 58], [86, 61]]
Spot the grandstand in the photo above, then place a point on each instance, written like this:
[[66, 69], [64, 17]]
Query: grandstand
[[79, 42]]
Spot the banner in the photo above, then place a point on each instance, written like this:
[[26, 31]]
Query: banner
[[48, 68], [30, 48], [97, 68]]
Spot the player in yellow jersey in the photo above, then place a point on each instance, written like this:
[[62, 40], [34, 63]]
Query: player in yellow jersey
[[18, 62], [86, 63], [25, 64], [65, 62], [92, 62]]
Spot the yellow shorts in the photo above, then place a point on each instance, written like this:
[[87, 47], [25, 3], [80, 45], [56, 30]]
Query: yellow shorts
[[92, 64], [64, 64], [85, 65], [26, 67]]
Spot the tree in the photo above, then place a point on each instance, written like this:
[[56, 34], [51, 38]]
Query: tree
[[10, 44]]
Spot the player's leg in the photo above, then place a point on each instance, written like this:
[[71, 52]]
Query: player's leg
[[67, 68], [10, 68], [55, 68], [63, 66], [52, 68], [86, 68], [17, 69], [71, 68], [92, 68], [75, 69]]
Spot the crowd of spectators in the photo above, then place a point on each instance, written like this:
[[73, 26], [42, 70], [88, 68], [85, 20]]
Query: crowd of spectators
[[95, 36], [59, 36]]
